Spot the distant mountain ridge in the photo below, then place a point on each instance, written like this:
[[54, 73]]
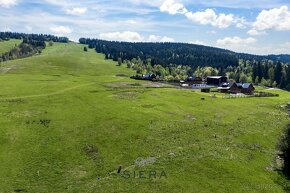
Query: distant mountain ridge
[[285, 58], [176, 53]]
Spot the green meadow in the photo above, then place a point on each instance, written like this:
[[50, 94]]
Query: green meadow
[[70, 119], [6, 46]]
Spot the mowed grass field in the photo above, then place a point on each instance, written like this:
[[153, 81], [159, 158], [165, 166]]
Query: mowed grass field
[[69, 119], [6, 46]]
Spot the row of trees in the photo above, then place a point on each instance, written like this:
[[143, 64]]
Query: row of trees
[[31, 44], [164, 54], [266, 73], [170, 72], [25, 49], [175, 53], [35, 37], [178, 60]]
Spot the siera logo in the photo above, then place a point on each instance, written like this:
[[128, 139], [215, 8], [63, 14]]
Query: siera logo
[[153, 174]]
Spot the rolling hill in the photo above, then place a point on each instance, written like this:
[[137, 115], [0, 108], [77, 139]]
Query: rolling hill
[[70, 119], [175, 53], [6, 46]]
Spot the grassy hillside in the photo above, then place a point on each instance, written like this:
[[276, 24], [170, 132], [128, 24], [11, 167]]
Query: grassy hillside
[[69, 119], [6, 46]]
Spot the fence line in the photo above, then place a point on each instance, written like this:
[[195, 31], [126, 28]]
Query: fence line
[[258, 94]]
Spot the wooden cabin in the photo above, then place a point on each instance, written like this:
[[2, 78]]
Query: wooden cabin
[[216, 80], [234, 88], [231, 87], [248, 88], [194, 80]]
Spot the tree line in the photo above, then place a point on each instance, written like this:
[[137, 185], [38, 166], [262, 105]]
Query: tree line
[[164, 54], [177, 61], [175, 53], [31, 44], [35, 37]]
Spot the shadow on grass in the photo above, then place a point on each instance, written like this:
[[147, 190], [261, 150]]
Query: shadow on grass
[[284, 157]]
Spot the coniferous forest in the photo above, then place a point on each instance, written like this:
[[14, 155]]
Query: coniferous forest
[[176, 61]]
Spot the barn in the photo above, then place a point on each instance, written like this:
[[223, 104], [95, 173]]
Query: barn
[[194, 80], [216, 80], [248, 88], [231, 87]]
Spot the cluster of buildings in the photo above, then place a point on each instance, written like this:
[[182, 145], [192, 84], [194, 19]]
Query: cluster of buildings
[[220, 82]]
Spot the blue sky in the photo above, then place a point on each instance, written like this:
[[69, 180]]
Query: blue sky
[[259, 27]]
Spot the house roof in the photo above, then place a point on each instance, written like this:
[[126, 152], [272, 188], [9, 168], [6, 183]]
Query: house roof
[[246, 85], [148, 75], [227, 84], [192, 78], [215, 77], [240, 84]]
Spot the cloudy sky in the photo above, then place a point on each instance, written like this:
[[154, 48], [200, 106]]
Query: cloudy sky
[[259, 27]]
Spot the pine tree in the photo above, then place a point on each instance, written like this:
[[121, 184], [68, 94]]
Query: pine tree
[[278, 73]]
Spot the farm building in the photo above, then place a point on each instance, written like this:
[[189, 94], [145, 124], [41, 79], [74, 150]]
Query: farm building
[[202, 87], [216, 80], [145, 77], [148, 76], [247, 88], [231, 87], [194, 80]]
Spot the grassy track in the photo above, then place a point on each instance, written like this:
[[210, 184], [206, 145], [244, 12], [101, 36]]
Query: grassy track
[[6, 46], [69, 119]]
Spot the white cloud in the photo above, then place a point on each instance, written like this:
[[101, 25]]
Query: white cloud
[[210, 17], [6, 29], [277, 19], [172, 7], [243, 45], [166, 39], [206, 17], [198, 42], [7, 3], [127, 36], [155, 38], [241, 22], [76, 11], [254, 32], [286, 45], [28, 28], [131, 21], [230, 41], [61, 30]]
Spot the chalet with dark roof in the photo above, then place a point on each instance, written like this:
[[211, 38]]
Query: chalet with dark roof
[[229, 87], [148, 76], [216, 80], [247, 88], [232, 87], [194, 80]]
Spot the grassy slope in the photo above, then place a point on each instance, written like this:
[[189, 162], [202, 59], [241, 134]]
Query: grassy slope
[[69, 89], [6, 46]]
